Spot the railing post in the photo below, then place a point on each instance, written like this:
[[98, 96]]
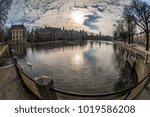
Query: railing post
[[44, 85], [146, 58], [129, 55], [147, 82], [136, 56], [15, 60]]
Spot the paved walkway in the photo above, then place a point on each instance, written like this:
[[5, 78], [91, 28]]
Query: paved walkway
[[138, 47], [11, 87]]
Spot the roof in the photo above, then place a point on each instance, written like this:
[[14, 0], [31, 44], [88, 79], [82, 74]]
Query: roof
[[49, 29], [16, 27]]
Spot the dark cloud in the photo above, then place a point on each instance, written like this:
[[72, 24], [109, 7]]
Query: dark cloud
[[81, 6], [90, 20], [98, 7], [113, 2]]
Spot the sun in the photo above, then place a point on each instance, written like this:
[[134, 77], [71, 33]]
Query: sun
[[78, 17]]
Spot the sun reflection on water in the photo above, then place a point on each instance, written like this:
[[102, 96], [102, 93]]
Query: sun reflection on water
[[77, 60]]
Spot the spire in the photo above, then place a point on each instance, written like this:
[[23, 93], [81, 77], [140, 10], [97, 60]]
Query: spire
[[100, 34], [75, 3]]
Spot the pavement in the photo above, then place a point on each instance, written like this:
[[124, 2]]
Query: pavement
[[11, 87]]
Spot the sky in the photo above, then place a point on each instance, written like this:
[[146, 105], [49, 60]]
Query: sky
[[89, 15]]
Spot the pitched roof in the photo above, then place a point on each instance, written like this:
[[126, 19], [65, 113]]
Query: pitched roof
[[16, 27], [48, 29]]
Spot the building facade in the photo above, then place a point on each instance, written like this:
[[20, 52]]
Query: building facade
[[52, 33], [140, 38], [18, 34]]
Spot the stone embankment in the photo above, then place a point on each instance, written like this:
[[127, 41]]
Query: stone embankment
[[140, 54], [3, 50]]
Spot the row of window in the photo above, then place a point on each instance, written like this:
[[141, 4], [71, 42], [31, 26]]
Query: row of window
[[17, 32], [17, 37]]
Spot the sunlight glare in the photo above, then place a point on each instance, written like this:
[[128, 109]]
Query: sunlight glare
[[77, 59], [78, 17]]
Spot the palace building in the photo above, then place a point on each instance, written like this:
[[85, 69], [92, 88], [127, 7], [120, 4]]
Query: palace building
[[18, 33]]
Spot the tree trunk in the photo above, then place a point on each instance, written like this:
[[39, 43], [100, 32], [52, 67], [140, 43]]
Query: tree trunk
[[129, 39], [132, 39], [147, 41]]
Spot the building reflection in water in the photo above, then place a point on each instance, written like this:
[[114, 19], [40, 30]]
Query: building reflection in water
[[20, 49]]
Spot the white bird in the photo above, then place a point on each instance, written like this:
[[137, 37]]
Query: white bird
[[29, 64]]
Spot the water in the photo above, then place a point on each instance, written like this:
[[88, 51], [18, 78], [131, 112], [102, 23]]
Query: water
[[86, 67]]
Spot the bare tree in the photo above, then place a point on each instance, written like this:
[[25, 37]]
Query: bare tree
[[121, 29], [4, 7], [129, 23], [140, 11], [115, 34]]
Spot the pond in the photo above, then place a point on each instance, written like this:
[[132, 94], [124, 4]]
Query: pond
[[81, 67]]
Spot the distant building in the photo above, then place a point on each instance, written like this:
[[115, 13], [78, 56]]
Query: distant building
[[47, 34], [52, 33], [31, 36], [18, 33], [140, 38]]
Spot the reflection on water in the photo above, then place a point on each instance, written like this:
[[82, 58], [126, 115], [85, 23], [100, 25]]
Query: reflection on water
[[86, 67], [20, 49]]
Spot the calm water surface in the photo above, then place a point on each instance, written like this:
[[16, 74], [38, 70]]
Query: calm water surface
[[87, 67]]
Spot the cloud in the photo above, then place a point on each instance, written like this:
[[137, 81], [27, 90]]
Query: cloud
[[90, 20], [99, 14]]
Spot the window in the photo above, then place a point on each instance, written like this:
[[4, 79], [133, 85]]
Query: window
[[16, 37]]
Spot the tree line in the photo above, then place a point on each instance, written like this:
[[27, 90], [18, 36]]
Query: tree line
[[135, 15]]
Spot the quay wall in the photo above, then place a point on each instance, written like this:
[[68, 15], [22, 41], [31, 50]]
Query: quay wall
[[133, 51], [3, 51], [142, 74], [138, 60]]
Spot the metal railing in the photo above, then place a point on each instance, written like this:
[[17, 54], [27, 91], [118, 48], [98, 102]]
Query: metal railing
[[126, 92]]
